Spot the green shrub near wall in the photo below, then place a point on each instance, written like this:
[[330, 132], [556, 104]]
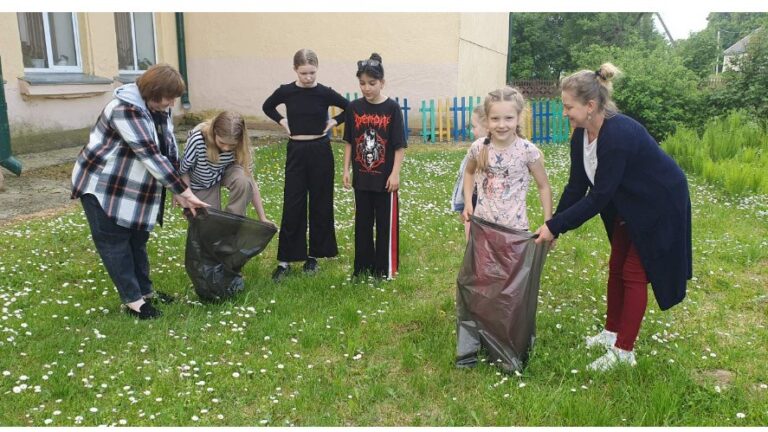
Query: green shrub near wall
[[731, 153]]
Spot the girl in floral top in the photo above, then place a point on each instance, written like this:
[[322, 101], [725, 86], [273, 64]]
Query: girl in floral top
[[501, 165]]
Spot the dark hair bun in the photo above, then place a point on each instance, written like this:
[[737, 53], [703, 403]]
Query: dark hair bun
[[376, 56]]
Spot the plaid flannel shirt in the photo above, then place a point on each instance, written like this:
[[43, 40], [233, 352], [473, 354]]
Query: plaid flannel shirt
[[123, 167]]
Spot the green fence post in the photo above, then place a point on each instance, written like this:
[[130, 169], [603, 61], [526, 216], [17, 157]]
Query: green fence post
[[432, 119], [6, 159], [423, 111]]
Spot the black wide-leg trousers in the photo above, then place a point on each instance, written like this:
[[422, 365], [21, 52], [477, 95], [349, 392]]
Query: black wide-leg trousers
[[309, 171]]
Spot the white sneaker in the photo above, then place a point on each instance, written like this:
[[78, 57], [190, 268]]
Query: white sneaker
[[612, 358], [605, 338]]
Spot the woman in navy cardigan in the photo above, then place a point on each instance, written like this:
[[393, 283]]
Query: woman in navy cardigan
[[619, 171]]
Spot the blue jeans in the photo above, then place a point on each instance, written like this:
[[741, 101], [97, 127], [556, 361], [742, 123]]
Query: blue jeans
[[123, 251]]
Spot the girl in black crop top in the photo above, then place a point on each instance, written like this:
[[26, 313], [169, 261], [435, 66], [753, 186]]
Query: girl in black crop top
[[309, 166], [306, 102]]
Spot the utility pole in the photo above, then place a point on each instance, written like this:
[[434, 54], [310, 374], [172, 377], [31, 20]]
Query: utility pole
[[717, 53], [666, 30]]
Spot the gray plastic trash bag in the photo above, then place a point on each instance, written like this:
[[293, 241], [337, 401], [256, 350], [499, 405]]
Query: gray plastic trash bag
[[218, 246], [497, 294]]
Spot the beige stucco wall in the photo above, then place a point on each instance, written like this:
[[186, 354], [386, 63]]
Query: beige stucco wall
[[483, 42], [97, 43], [10, 48], [29, 115], [236, 60], [240, 65], [167, 51]]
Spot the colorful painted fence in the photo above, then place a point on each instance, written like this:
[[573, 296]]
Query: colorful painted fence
[[448, 119], [338, 131], [546, 123]]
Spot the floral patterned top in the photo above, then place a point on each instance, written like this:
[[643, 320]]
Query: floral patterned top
[[502, 188]]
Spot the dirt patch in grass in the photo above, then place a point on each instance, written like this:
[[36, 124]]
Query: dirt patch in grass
[[715, 377], [45, 191], [39, 193]]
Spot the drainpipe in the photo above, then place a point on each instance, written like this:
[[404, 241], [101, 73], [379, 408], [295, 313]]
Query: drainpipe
[[509, 51], [182, 47], [6, 159]]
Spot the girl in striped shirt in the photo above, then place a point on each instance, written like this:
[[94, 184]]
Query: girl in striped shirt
[[218, 153]]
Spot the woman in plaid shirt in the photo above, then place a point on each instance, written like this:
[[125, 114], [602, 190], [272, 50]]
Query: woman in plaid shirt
[[120, 177]]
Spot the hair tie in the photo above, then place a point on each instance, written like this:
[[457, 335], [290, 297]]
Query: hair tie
[[599, 75]]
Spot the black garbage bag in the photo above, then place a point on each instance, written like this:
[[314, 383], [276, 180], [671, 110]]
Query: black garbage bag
[[218, 246], [497, 294]]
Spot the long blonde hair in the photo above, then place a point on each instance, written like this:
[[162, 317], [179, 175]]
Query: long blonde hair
[[504, 94], [228, 125], [587, 85]]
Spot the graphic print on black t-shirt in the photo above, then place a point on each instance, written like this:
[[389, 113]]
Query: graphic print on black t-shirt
[[371, 147], [374, 132]]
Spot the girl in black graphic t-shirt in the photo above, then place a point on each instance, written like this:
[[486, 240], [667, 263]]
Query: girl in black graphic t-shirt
[[376, 143], [308, 166]]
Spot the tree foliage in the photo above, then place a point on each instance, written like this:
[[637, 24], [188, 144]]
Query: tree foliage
[[702, 51], [664, 85], [661, 93], [747, 87], [543, 44]]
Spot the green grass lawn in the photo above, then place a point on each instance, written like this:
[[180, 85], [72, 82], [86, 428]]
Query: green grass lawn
[[322, 351]]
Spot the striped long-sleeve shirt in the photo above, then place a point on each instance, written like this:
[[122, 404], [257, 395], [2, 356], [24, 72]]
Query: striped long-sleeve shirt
[[203, 173], [123, 166]]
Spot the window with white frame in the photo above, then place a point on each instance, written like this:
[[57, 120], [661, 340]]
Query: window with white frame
[[49, 41], [135, 41]]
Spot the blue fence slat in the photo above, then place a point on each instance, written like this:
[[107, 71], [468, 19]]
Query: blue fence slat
[[547, 116], [432, 120], [463, 119], [455, 109], [405, 109]]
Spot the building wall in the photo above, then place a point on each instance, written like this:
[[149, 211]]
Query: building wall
[[165, 32], [729, 63], [98, 43], [10, 47], [253, 52], [483, 42], [236, 60], [44, 115], [29, 115]]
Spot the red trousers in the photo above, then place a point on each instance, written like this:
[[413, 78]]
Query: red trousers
[[627, 288]]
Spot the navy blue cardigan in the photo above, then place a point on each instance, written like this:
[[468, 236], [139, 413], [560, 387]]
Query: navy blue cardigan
[[640, 183]]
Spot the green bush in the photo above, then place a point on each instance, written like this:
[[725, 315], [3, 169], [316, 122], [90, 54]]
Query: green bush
[[731, 153], [745, 88], [656, 88]]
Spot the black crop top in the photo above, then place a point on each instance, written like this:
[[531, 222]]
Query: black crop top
[[306, 108]]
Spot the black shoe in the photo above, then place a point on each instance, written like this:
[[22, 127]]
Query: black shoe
[[280, 273], [467, 361], [146, 311], [310, 265], [160, 297]]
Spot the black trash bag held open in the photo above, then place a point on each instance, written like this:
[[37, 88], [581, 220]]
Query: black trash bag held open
[[497, 294], [218, 246]]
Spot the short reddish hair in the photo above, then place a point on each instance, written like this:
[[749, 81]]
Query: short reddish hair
[[160, 81]]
